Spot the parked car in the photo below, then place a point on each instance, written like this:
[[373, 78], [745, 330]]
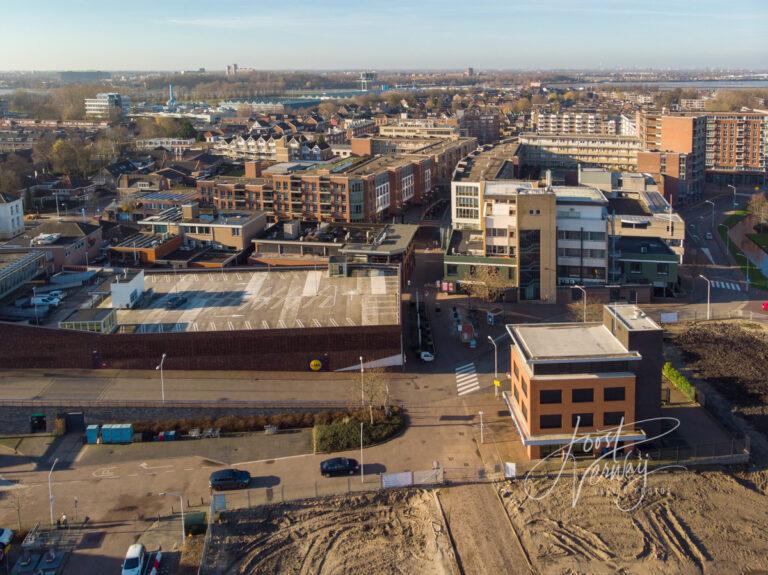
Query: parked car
[[133, 564], [427, 356], [229, 479], [339, 466], [175, 301], [765, 306], [6, 536], [708, 236], [45, 300], [57, 293]]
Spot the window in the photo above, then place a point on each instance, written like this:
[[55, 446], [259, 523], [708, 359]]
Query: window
[[613, 394], [235, 231], [612, 417], [524, 385], [550, 421], [635, 268], [662, 269], [582, 420], [451, 270], [524, 409], [534, 212], [550, 396], [515, 370], [583, 395], [516, 394]]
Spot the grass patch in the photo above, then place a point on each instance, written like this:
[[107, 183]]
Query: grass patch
[[679, 381], [760, 239], [345, 434], [756, 277]]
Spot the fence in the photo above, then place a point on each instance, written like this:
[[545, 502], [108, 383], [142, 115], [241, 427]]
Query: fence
[[695, 315]]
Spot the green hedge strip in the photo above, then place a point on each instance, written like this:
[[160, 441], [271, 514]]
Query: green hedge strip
[[344, 435], [679, 381]]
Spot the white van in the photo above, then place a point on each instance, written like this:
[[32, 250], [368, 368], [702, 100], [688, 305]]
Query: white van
[[133, 564]]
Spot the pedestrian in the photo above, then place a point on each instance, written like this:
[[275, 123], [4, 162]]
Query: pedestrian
[[64, 520]]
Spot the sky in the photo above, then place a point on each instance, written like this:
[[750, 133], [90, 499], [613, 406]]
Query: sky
[[380, 35]]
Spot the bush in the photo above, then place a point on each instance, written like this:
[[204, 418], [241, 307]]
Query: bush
[[344, 434], [679, 381]]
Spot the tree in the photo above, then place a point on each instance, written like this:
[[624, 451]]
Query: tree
[[10, 183], [375, 389], [487, 283], [328, 108], [758, 207], [42, 151], [522, 105]]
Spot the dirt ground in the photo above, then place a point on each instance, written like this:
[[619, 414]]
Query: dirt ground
[[731, 357], [396, 531], [687, 522]]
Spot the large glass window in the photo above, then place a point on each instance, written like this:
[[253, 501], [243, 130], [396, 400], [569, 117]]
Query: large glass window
[[550, 396], [551, 421], [613, 394], [583, 395], [612, 417], [582, 420]]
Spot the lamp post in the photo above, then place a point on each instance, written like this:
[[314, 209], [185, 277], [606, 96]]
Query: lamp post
[[181, 500], [584, 313], [495, 365], [50, 487], [482, 428], [735, 204], [362, 383], [162, 379], [709, 290], [713, 211], [362, 465]]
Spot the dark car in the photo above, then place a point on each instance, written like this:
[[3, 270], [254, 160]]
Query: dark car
[[339, 466], [229, 479], [175, 301]]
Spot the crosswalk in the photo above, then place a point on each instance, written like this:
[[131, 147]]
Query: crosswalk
[[726, 285], [466, 379]]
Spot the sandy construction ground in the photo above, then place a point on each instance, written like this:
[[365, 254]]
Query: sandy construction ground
[[397, 531], [687, 522]]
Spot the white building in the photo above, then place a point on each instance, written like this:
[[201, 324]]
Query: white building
[[107, 105], [11, 216], [127, 289]]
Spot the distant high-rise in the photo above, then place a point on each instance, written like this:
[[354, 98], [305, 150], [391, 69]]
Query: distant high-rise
[[108, 106], [366, 80], [231, 69], [469, 72], [171, 103]]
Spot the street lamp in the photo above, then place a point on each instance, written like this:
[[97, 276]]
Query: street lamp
[[181, 499], [162, 380], [735, 204], [362, 383], [362, 465], [50, 488], [584, 313], [495, 366], [713, 210], [709, 291]]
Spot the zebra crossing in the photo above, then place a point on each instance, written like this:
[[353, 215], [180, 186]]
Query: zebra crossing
[[733, 286], [466, 379]]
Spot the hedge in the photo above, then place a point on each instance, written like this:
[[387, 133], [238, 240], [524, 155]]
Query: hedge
[[679, 381], [345, 434]]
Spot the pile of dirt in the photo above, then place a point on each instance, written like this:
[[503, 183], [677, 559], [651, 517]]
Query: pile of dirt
[[395, 531], [731, 357], [686, 523]]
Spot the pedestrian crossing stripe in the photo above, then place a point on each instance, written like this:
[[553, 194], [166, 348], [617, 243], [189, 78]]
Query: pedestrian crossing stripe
[[726, 285], [466, 379]]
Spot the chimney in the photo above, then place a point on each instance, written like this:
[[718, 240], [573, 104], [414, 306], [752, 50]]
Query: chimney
[[190, 211]]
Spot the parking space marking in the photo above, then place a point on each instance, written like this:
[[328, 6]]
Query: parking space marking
[[299, 323], [264, 324], [281, 324], [333, 322]]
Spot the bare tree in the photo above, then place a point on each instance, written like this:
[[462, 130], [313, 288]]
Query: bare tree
[[487, 283], [375, 389]]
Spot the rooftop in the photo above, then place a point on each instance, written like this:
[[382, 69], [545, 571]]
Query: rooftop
[[89, 314], [266, 299], [488, 163], [644, 245], [632, 317], [52, 233], [579, 194], [560, 342], [222, 218]]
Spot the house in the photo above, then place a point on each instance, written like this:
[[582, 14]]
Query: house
[[11, 216], [69, 243]]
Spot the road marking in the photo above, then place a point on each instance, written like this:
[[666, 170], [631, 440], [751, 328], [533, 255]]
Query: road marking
[[466, 379], [316, 323], [333, 322], [264, 324], [273, 459], [349, 321], [281, 324], [146, 467], [299, 323], [247, 324]]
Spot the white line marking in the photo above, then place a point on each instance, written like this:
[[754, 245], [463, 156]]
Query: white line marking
[[333, 322], [472, 365], [264, 324], [299, 323], [281, 324], [316, 323]]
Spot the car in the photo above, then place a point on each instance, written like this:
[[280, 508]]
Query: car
[[229, 479], [427, 356], [133, 564], [45, 300], [6, 536], [339, 466], [765, 306], [175, 301], [708, 236]]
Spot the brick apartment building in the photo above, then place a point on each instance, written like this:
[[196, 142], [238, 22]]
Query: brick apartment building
[[483, 125]]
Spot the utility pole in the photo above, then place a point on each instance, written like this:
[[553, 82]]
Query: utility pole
[[362, 383], [495, 366], [482, 428], [362, 465], [162, 380], [50, 488], [709, 291]]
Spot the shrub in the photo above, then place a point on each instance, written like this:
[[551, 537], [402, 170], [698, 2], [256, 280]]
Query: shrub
[[679, 381], [344, 434]]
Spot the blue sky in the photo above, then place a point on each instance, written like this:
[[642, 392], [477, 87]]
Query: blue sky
[[339, 34]]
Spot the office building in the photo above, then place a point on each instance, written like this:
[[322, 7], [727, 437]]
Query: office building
[[11, 216], [108, 106], [571, 382], [18, 266]]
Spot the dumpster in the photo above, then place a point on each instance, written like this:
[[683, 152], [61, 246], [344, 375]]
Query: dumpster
[[92, 434], [122, 433], [106, 433]]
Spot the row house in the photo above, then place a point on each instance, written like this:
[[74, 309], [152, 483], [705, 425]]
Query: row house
[[280, 149]]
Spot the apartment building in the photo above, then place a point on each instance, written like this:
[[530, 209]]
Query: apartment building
[[283, 148], [737, 147], [109, 106], [571, 382], [11, 216], [17, 267], [3, 108], [420, 128], [483, 125], [567, 151], [67, 243], [573, 123]]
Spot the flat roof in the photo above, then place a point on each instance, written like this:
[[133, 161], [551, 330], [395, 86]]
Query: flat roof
[[579, 194], [633, 317], [89, 314], [568, 342], [266, 299]]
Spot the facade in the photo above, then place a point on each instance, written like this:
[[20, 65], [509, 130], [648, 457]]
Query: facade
[[574, 123], [570, 382], [420, 129], [737, 147], [97, 320], [17, 267], [279, 148], [11, 216], [568, 151], [483, 125], [3, 108], [639, 260], [174, 144], [108, 106]]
